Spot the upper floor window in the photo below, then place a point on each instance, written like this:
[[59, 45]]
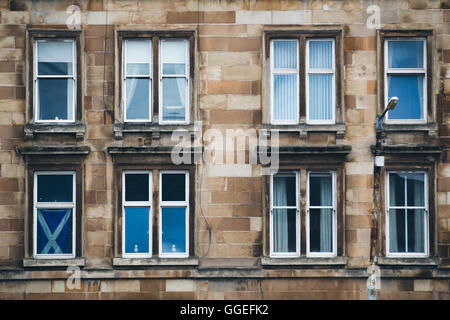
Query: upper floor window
[[320, 81], [55, 80], [304, 77], [407, 214], [137, 80], [284, 81], [406, 77], [163, 86]]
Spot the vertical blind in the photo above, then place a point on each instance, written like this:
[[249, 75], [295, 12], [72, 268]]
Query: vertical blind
[[320, 80], [285, 80]]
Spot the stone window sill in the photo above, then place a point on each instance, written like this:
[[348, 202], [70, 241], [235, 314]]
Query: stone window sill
[[388, 261], [430, 128], [154, 128], [33, 263], [304, 261], [79, 129], [303, 129], [176, 262]]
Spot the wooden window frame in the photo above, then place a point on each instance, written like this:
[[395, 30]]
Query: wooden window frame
[[333, 253], [174, 204], [309, 71], [302, 36], [425, 254], [138, 204], [274, 254], [430, 170], [155, 170], [155, 36], [429, 113], [303, 170], [76, 169], [57, 205], [125, 77], [40, 34]]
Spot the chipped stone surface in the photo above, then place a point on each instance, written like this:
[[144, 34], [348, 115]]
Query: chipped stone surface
[[231, 89]]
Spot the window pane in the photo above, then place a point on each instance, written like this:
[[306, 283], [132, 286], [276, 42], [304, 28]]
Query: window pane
[[320, 190], [136, 187], [138, 57], [321, 230], [285, 97], [173, 230], [174, 187], [416, 230], [174, 57], [409, 90], [55, 99], [138, 98], [54, 188], [54, 231], [284, 230], [55, 57], [284, 190], [174, 99], [137, 230], [320, 97], [396, 190], [405, 54], [397, 230], [321, 54], [415, 189], [285, 54]]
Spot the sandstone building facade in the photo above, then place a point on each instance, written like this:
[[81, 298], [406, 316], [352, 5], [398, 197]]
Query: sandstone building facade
[[93, 204]]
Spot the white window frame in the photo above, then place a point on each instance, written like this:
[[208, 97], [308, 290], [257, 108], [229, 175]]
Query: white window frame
[[138, 204], [283, 71], [36, 77], [310, 71], [334, 218], [426, 217], [297, 220], [174, 204], [54, 205], [160, 84], [125, 76], [405, 71]]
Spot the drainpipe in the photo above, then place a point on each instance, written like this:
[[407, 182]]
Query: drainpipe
[[378, 164]]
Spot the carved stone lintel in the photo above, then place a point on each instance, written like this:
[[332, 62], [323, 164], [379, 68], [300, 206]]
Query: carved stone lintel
[[303, 134]]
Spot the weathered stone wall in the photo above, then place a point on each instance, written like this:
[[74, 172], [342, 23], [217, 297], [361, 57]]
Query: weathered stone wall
[[231, 93]]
